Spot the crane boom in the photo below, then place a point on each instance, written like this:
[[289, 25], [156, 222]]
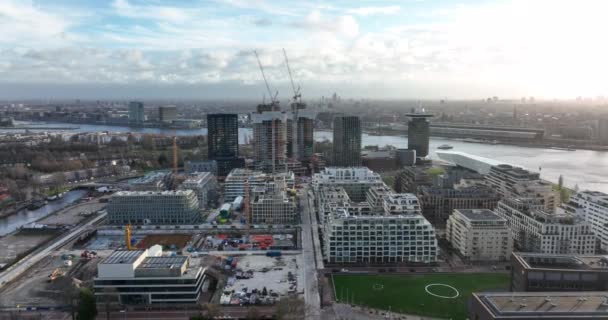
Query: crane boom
[[264, 76], [293, 86]]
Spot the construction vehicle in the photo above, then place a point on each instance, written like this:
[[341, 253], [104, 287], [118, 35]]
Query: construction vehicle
[[55, 274]]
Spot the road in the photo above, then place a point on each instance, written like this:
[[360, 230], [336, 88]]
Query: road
[[311, 290], [18, 268]]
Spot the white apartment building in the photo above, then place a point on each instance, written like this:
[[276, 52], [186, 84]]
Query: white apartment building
[[239, 179], [273, 208], [479, 235], [536, 230], [593, 207], [378, 239], [204, 185], [355, 180], [153, 207], [513, 182]]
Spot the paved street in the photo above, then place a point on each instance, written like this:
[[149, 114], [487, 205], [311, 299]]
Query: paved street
[[25, 263], [311, 290]]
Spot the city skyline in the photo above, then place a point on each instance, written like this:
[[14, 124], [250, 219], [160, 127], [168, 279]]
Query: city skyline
[[375, 49]]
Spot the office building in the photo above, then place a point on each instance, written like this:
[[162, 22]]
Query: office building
[[205, 187], [379, 238], [167, 114], [147, 277], [270, 140], [479, 235], [240, 179], [153, 207], [347, 141], [419, 133], [223, 142], [194, 166], [439, 203], [355, 181], [136, 113], [535, 229], [513, 182], [535, 272], [593, 207], [538, 306]]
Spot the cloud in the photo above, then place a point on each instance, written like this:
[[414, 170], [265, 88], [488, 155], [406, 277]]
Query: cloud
[[262, 22], [370, 11], [22, 23], [344, 25], [163, 13]]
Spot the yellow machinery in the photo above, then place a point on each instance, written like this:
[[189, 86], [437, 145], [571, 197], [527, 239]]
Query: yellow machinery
[[128, 236]]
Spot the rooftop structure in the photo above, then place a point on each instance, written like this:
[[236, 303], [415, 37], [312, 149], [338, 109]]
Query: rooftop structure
[[539, 305], [469, 161]]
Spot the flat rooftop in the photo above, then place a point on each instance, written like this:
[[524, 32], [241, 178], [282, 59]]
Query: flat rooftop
[[122, 257], [162, 262], [479, 214], [546, 305], [562, 262]]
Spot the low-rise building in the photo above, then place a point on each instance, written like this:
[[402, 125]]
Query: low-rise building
[[205, 187], [555, 272], [535, 229], [479, 235], [153, 207], [538, 306], [148, 277]]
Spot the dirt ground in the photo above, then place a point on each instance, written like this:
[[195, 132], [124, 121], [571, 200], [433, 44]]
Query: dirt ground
[[165, 240], [13, 245]]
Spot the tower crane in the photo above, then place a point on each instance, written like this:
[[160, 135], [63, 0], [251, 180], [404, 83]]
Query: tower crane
[[273, 98], [297, 96]]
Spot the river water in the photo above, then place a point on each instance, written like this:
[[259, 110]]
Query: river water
[[585, 168], [23, 217]]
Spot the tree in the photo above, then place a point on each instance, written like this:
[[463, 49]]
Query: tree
[[87, 309]]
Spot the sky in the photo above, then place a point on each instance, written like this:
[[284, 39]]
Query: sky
[[419, 49]]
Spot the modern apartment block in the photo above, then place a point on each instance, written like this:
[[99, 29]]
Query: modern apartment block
[[419, 133], [439, 203], [479, 235], [300, 134], [153, 207], [136, 113], [355, 180], [514, 182], [270, 140], [538, 306], [410, 178], [550, 272], [593, 207], [378, 239], [205, 187], [535, 229], [273, 205], [347, 141], [239, 179], [223, 141], [148, 277]]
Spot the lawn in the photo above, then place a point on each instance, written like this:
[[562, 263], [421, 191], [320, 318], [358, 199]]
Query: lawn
[[406, 293]]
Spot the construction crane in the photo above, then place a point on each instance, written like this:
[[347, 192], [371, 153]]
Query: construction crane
[[297, 96], [174, 153], [273, 98], [128, 236], [247, 209]]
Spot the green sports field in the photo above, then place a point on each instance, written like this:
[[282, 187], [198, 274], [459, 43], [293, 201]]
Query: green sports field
[[406, 293]]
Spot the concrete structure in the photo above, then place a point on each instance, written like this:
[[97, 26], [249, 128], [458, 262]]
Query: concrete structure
[[300, 133], [538, 306], [355, 180], [136, 113], [148, 277], [205, 187], [347, 141], [550, 272], [439, 203], [419, 133], [201, 166], [513, 182], [223, 142], [537, 230], [469, 161], [167, 114], [479, 235], [153, 207], [272, 205], [593, 207], [238, 179], [270, 140]]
